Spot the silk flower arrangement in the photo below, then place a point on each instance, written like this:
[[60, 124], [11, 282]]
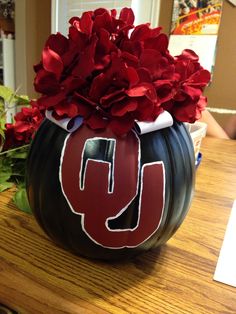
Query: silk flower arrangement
[[111, 74], [111, 78]]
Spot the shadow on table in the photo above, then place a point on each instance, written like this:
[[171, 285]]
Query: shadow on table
[[106, 279]]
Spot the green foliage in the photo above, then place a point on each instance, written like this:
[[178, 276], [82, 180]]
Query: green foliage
[[21, 200], [9, 100], [6, 94], [12, 173], [12, 162]]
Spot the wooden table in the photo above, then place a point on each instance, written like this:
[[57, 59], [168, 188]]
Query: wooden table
[[38, 277]]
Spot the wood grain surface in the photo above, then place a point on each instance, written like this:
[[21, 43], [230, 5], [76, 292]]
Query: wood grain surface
[[36, 276]]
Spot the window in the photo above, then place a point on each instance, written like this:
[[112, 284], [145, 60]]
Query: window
[[63, 10]]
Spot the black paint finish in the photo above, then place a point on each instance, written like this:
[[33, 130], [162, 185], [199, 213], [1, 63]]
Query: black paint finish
[[172, 145]]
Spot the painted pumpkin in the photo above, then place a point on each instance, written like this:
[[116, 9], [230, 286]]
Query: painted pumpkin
[[107, 197]]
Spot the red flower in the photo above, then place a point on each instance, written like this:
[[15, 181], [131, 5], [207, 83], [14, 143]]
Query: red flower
[[190, 79], [27, 121], [113, 73]]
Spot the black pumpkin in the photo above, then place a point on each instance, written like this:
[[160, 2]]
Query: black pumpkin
[[107, 197]]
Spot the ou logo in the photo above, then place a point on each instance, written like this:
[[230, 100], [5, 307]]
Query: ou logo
[[102, 176]]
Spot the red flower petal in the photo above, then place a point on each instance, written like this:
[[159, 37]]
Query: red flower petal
[[120, 109], [127, 16], [179, 96], [168, 73], [78, 41], [72, 83], [98, 87], [157, 111], [100, 11], [185, 112], [49, 101], [133, 47], [138, 91], [201, 105], [52, 62], [199, 79], [86, 23], [80, 98], [165, 90], [145, 110], [103, 20], [21, 126], [150, 59], [159, 43], [144, 75], [46, 82], [58, 43], [132, 76], [130, 59], [192, 92], [113, 13], [84, 110], [65, 109], [38, 67], [102, 62], [140, 32], [74, 20], [112, 97], [84, 105], [188, 54], [143, 89], [97, 122], [86, 62], [122, 126], [104, 44], [155, 31], [168, 105]]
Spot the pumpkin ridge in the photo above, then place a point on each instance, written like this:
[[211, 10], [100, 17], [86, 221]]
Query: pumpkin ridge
[[52, 210]]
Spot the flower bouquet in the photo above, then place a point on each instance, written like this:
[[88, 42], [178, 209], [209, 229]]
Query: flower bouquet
[[112, 73], [15, 136], [110, 171]]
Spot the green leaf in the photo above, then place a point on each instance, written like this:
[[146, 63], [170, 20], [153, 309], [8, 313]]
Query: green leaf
[[20, 155], [12, 166], [10, 152], [2, 133], [5, 165], [6, 93], [2, 105], [4, 177], [22, 100], [21, 200], [9, 99], [5, 185], [2, 124]]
